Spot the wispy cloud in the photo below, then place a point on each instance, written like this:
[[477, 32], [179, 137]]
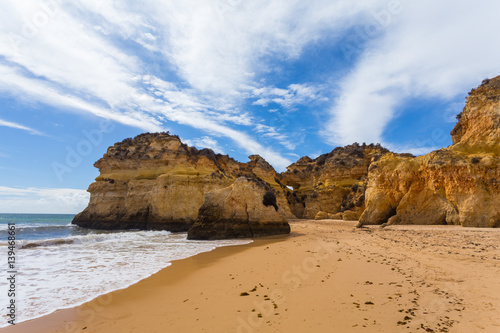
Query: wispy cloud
[[414, 149], [81, 65], [205, 142], [423, 50], [295, 94], [19, 126], [42, 200], [220, 45], [271, 132], [199, 63]]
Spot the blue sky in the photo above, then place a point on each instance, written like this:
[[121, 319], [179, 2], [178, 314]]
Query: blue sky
[[282, 79]]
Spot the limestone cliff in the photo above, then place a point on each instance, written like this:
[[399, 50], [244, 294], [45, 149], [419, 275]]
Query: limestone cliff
[[154, 181], [454, 185], [478, 128], [332, 183], [247, 208]]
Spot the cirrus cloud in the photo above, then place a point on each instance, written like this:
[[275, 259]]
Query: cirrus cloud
[[42, 200]]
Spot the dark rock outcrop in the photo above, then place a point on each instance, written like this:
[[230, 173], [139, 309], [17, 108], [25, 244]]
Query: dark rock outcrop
[[245, 209]]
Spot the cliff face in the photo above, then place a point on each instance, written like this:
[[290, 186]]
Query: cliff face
[[333, 182], [247, 208], [154, 181], [478, 128], [454, 185]]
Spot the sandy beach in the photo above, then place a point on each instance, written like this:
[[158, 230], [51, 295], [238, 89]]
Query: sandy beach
[[326, 276]]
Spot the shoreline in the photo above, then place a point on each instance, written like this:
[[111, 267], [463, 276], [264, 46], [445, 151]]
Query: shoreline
[[325, 275], [123, 286], [70, 315], [51, 258]]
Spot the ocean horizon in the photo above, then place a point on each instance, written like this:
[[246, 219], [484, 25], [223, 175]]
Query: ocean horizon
[[60, 265]]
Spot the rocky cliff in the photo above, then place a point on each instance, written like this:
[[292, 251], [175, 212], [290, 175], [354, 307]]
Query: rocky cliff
[[332, 183], [454, 185], [154, 181], [247, 208], [478, 127]]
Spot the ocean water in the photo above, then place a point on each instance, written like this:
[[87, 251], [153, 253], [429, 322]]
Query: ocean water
[[60, 265]]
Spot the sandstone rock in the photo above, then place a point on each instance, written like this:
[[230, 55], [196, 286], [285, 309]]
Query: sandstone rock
[[323, 215], [247, 208], [331, 183], [454, 185], [349, 215], [478, 128], [338, 216], [154, 181]]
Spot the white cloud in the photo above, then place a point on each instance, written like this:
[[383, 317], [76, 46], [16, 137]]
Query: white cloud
[[73, 61], [271, 132], [414, 149], [19, 126], [205, 142], [19, 85], [419, 151], [183, 108], [295, 94], [428, 50], [316, 154], [296, 156], [219, 45], [42, 200], [84, 58]]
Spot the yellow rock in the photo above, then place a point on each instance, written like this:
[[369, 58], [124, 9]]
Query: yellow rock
[[455, 185], [248, 208], [349, 215], [332, 182], [154, 181]]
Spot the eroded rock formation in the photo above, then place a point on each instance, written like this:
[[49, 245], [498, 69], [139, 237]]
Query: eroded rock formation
[[455, 185], [333, 182], [154, 181], [247, 208]]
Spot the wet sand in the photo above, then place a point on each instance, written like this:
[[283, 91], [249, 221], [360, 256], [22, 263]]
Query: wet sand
[[326, 276]]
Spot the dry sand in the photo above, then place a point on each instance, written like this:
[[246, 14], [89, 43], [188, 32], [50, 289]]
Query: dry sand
[[327, 276]]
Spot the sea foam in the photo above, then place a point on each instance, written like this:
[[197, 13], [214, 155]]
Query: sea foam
[[61, 272]]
